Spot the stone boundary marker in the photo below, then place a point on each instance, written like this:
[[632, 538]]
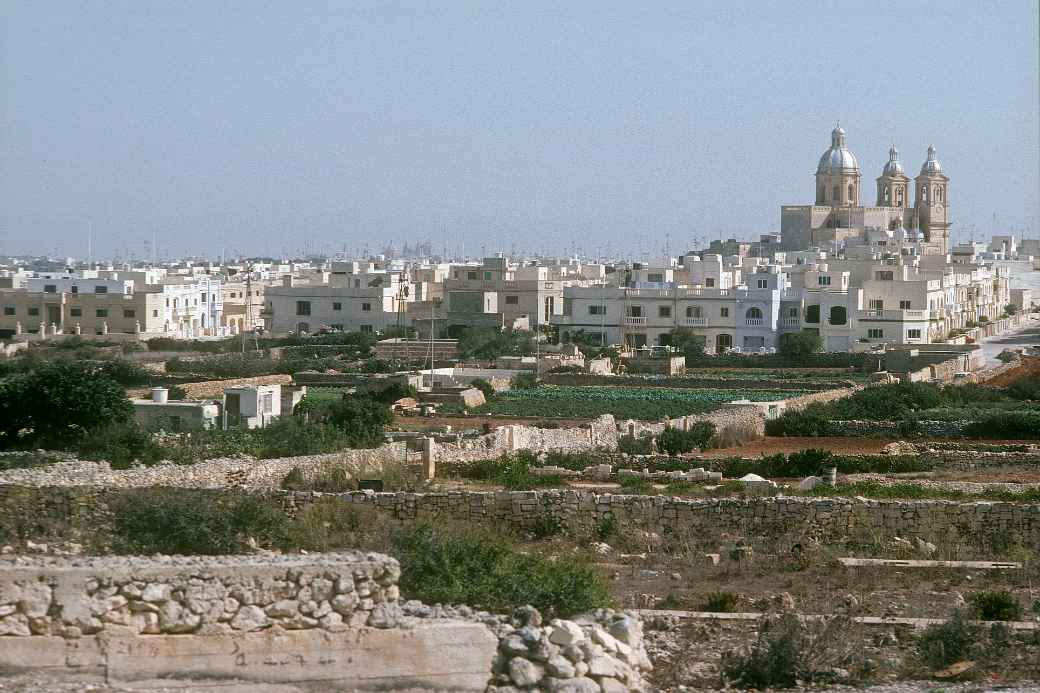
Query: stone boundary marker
[[919, 623], [898, 563]]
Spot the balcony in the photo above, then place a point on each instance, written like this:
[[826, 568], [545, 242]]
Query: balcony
[[695, 322], [754, 322], [790, 322], [893, 315], [634, 320]]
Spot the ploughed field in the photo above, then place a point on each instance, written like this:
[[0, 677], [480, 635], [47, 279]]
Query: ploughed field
[[649, 403]]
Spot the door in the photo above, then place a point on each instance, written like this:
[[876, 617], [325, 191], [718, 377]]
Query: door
[[232, 410], [53, 315]]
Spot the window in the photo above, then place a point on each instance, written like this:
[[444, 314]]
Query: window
[[852, 192], [763, 283], [753, 314], [838, 315], [904, 305], [366, 328], [664, 311], [656, 278], [129, 313], [792, 312], [100, 289], [336, 305], [693, 312], [155, 313], [471, 275], [167, 303], [596, 310], [812, 314], [366, 307], [303, 307], [823, 194], [8, 310], [101, 313], [203, 297], [836, 194], [50, 288], [76, 312], [875, 333], [487, 276], [724, 312], [824, 280], [635, 311], [231, 295], [885, 276], [512, 300], [75, 289], [913, 334], [709, 282], [876, 304], [34, 311], [267, 403]]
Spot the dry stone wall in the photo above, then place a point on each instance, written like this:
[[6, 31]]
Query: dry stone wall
[[330, 619], [765, 520]]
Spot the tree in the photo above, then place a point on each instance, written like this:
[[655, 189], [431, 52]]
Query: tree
[[687, 342], [362, 419], [57, 404], [799, 344]]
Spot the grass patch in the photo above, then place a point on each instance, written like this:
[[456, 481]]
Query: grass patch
[[487, 572]]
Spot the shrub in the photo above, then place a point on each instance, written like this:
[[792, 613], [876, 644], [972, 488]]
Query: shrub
[[524, 381], [121, 445], [176, 392], [631, 445], [546, 526], [486, 572], [329, 479], [170, 521], [795, 345], [362, 419], [395, 391], [291, 436], [735, 435], [720, 602], [943, 644], [484, 386], [675, 441], [635, 485], [57, 404], [567, 370], [1008, 424], [807, 422], [995, 606], [773, 660]]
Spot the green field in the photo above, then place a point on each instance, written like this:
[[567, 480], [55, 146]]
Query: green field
[[623, 402]]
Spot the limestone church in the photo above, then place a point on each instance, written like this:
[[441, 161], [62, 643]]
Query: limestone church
[[838, 216]]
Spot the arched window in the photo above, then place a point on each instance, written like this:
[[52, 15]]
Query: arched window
[[838, 316], [836, 195], [823, 194], [924, 193], [852, 192], [753, 314], [693, 311], [886, 194]]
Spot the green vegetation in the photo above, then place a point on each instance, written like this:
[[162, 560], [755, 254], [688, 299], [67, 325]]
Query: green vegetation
[[995, 606], [873, 489], [800, 345], [786, 651], [57, 404], [486, 572], [361, 341], [674, 441], [484, 386], [330, 479], [778, 360], [943, 644], [993, 412], [720, 602], [490, 344], [623, 402], [513, 472]]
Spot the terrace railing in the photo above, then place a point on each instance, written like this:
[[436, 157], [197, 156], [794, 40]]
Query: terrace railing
[[695, 322]]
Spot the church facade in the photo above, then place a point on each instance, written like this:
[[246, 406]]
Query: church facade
[[838, 218]]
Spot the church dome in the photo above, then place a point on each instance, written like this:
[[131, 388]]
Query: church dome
[[931, 164], [838, 159], [893, 167]]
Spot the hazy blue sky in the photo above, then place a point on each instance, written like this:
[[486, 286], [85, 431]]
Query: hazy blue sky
[[291, 126]]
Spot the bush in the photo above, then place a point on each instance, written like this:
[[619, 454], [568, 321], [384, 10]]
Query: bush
[[720, 602], [487, 573], [290, 436], [484, 386], [773, 660], [170, 521], [735, 435], [943, 644], [635, 485], [524, 381], [674, 441], [395, 391], [176, 392], [1023, 425], [362, 419], [329, 479], [795, 345], [808, 422], [121, 445], [57, 404], [630, 445], [510, 471], [996, 606]]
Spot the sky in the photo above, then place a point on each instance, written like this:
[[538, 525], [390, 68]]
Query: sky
[[283, 128]]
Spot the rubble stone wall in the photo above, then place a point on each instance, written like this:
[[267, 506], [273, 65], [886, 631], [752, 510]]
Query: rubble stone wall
[[767, 520]]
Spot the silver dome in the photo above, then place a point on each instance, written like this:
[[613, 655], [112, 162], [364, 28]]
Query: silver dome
[[838, 159], [931, 165], [893, 167]]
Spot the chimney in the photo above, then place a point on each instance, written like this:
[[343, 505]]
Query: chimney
[[160, 395]]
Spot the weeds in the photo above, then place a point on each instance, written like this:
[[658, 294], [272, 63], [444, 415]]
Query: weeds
[[995, 606], [720, 602]]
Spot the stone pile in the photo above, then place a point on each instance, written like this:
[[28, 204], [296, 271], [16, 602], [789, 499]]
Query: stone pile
[[602, 651]]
